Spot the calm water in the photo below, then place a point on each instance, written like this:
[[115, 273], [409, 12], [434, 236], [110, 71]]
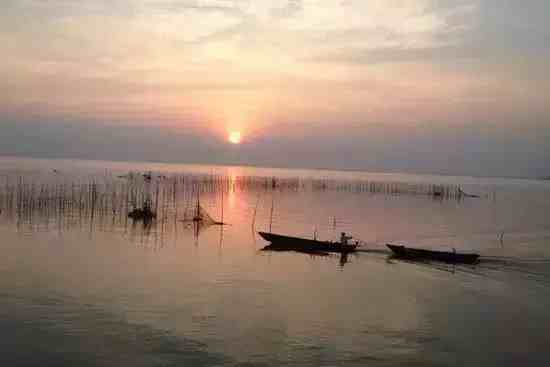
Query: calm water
[[82, 290]]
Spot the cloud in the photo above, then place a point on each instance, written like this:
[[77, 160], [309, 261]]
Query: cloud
[[476, 149], [278, 68], [491, 31], [291, 8]]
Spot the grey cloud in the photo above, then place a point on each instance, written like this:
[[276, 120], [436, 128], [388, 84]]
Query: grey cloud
[[487, 132], [395, 54], [474, 51], [475, 149], [499, 30], [54, 9]]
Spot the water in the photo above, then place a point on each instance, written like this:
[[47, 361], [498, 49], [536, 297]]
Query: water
[[103, 291]]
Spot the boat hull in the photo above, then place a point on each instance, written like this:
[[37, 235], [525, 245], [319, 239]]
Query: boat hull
[[288, 243], [443, 256]]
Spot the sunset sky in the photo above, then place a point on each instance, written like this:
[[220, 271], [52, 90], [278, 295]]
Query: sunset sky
[[454, 87]]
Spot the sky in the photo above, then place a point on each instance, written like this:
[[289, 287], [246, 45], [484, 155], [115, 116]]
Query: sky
[[430, 86]]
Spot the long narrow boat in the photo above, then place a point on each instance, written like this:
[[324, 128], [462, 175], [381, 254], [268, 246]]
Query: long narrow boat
[[444, 256], [288, 243]]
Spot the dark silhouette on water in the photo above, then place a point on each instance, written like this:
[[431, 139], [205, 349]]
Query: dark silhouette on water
[[144, 214], [343, 257], [411, 253], [289, 243], [201, 217], [465, 194], [288, 249]]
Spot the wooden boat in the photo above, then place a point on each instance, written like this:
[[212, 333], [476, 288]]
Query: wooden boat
[[288, 243], [422, 254]]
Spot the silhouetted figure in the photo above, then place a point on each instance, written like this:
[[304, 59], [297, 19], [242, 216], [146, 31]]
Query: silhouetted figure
[[344, 239]]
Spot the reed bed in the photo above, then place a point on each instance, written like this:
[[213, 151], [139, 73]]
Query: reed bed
[[243, 183], [109, 197]]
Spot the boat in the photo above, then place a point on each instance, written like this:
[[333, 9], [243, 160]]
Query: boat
[[145, 214], [289, 243], [423, 254]]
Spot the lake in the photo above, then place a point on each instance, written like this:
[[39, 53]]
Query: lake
[[81, 284]]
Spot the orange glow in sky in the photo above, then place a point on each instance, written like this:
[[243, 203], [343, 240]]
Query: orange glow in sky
[[314, 76]]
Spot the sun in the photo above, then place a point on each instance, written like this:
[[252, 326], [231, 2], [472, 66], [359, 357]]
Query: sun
[[234, 137]]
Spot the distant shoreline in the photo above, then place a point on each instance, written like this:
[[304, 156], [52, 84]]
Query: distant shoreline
[[358, 170]]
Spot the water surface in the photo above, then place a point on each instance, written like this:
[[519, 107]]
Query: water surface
[[77, 289]]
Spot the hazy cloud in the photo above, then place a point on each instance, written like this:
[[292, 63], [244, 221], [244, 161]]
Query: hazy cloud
[[351, 74]]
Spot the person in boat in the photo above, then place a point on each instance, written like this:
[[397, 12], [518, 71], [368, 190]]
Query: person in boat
[[344, 238]]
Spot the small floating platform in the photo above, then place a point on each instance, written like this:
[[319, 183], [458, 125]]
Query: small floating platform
[[289, 243], [423, 254], [144, 214]]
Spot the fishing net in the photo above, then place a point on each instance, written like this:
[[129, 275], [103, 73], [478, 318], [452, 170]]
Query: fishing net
[[199, 215], [203, 216]]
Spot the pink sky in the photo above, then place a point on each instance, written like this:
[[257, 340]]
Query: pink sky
[[283, 72]]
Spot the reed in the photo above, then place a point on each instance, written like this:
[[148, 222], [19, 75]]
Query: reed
[[107, 198]]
